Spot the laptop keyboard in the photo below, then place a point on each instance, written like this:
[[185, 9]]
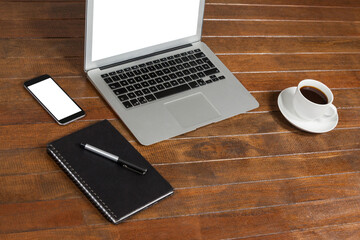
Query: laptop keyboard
[[147, 82]]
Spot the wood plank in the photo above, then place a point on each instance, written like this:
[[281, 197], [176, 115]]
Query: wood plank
[[275, 45], [35, 216], [202, 173], [76, 10], [341, 231], [240, 192], [299, 3], [41, 48], [194, 149], [75, 28], [42, 10], [257, 221], [73, 47], [42, 28], [262, 12], [276, 28], [236, 63], [247, 63]]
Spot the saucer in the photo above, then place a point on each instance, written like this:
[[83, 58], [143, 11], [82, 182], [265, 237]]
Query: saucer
[[322, 125]]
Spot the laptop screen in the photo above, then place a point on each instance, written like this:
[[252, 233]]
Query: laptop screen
[[124, 26]]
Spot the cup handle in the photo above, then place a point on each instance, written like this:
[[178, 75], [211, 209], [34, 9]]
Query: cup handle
[[332, 112]]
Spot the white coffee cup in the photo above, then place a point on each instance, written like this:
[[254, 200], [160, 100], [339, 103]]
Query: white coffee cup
[[309, 110]]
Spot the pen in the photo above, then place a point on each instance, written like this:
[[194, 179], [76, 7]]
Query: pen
[[114, 158]]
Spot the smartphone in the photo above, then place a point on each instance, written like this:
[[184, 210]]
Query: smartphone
[[54, 99]]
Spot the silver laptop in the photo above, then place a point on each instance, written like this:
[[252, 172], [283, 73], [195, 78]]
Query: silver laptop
[[147, 60]]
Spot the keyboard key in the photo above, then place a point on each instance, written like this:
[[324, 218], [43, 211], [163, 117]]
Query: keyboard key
[[151, 68], [174, 83], [211, 71], [127, 69], [104, 75], [130, 88], [123, 76], [138, 79], [112, 73], [139, 93], [172, 91], [127, 104], [108, 80], [194, 84], [144, 70], [145, 77], [152, 75], [150, 97], [208, 81], [199, 55], [120, 91], [137, 86], [137, 72], [167, 85], [146, 91], [201, 82], [221, 77], [159, 80], [194, 76], [160, 66], [166, 78], [188, 78], [124, 83], [159, 73], [131, 95], [185, 59], [135, 102], [130, 74], [131, 81], [114, 85], [142, 100], [123, 97], [153, 89], [115, 78], [152, 82], [160, 87], [145, 84], [197, 50]]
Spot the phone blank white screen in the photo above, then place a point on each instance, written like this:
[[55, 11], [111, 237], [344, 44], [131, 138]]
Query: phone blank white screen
[[123, 26], [54, 98]]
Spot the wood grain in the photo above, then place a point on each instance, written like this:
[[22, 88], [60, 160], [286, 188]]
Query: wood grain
[[253, 176]]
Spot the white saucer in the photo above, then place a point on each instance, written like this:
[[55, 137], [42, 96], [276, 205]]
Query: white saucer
[[285, 103]]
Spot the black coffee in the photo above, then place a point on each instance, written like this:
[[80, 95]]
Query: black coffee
[[314, 95]]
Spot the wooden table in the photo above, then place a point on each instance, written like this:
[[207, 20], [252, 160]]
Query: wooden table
[[254, 176]]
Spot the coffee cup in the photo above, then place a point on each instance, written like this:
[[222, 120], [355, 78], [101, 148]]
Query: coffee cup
[[313, 101]]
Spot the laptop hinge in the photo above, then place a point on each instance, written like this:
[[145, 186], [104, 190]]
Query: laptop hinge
[[145, 56]]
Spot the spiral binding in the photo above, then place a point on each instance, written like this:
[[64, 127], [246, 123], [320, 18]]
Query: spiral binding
[[82, 185]]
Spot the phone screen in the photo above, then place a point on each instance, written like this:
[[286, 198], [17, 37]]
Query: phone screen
[[54, 99]]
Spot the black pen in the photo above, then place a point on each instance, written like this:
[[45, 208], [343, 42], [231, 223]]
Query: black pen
[[114, 158]]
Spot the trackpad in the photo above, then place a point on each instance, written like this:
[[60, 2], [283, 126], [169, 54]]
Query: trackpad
[[192, 110]]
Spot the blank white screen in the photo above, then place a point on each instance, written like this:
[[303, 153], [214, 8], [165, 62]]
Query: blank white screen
[[121, 26], [54, 98]]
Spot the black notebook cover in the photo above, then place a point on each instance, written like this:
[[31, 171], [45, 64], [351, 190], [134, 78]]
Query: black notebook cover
[[117, 192]]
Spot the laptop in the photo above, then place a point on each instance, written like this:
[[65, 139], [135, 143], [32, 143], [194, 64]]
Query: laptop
[[146, 59]]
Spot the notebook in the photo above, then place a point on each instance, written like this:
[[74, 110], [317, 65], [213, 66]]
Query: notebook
[[116, 192], [146, 59]]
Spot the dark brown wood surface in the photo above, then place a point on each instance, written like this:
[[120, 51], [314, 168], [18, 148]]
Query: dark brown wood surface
[[253, 176]]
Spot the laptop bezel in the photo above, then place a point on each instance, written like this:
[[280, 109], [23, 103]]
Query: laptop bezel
[[89, 64]]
